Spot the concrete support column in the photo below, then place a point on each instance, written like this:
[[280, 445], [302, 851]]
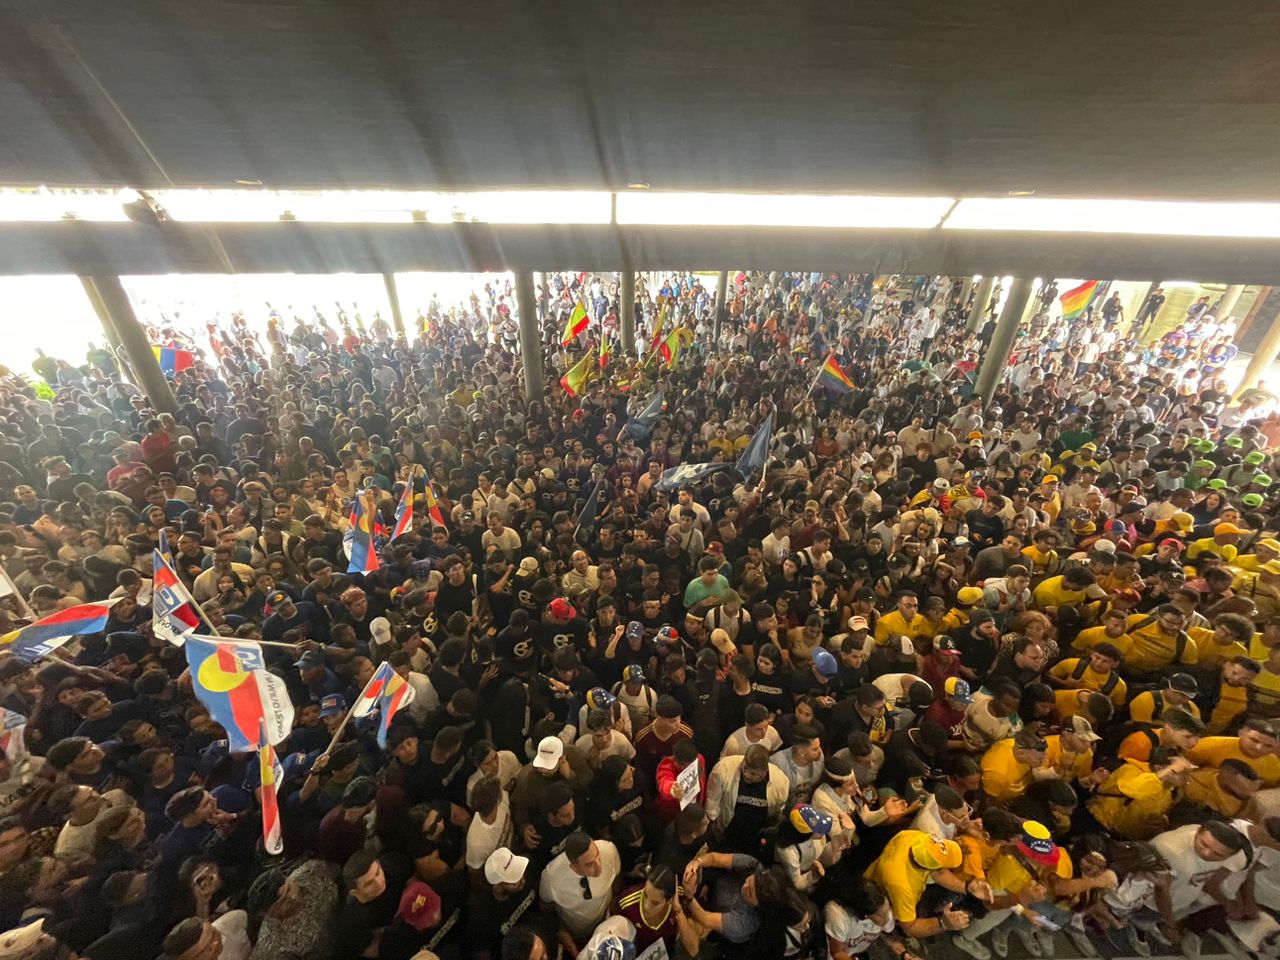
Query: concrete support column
[[1230, 297], [980, 304], [627, 313], [530, 336], [111, 303], [997, 358], [393, 297], [722, 303], [1262, 359], [104, 318], [965, 289]]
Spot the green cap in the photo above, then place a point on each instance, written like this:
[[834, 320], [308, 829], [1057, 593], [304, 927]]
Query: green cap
[[1217, 483], [1234, 441], [1255, 457], [1204, 464], [1252, 499], [1261, 480]]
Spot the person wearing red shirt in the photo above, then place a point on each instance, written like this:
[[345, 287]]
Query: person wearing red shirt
[[948, 711], [667, 802]]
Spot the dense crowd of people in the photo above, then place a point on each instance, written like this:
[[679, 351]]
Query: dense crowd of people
[[940, 673]]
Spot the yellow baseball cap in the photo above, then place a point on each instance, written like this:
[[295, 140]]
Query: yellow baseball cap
[[934, 853]]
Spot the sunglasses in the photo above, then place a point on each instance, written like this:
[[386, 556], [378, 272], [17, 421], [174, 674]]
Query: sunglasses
[[586, 888]]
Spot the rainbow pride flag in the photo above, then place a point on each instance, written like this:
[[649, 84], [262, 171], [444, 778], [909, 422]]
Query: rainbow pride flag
[[833, 378], [1076, 300]]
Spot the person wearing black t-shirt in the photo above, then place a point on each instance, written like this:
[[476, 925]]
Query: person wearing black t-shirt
[[374, 883], [508, 898], [688, 836], [736, 694], [769, 685], [557, 817], [457, 592]]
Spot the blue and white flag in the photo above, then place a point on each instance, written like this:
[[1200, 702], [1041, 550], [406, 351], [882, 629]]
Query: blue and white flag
[[756, 453], [642, 424], [685, 474]]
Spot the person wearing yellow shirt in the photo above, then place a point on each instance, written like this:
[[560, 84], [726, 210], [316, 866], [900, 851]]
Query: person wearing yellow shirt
[[1235, 680], [1225, 542], [1157, 641], [1113, 630], [1042, 556], [905, 620], [1255, 744], [1033, 873], [1229, 638], [1178, 693], [1069, 755], [907, 865], [1264, 551], [1225, 791], [1134, 801], [1010, 766], [1264, 692], [1052, 499], [1066, 590], [1178, 733], [1097, 671], [1262, 587]]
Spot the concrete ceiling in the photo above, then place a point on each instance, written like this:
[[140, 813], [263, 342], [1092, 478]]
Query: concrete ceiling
[[1140, 98]]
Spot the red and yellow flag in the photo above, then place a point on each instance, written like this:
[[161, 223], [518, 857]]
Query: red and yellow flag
[[606, 352], [433, 507], [578, 321], [575, 381]]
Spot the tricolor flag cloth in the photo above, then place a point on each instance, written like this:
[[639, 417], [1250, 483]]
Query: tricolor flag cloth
[[669, 349], [386, 692], [270, 773], [577, 322], [173, 360], [575, 381], [41, 638], [364, 556], [606, 352], [1076, 300], [833, 378], [433, 507], [404, 511], [249, 702], [174, 613]]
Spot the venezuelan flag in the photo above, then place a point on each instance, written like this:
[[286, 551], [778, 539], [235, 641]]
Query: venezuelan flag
[[172, 360], [1076, 300], [270, 774], [578, 321], [433, 507], [364, 558], [32, 642], [404, 511], [833, 378]]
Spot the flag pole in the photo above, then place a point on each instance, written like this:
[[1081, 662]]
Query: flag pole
[[809, 392]]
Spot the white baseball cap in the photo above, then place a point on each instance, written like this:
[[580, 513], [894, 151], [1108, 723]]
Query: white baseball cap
[[503, 866], [16, 942], [550, 750]]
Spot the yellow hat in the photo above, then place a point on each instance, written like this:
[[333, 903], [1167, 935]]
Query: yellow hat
[[971, 595], [1183, 521], [1270, 544], [1272, 566], [1050, 479], [934, 853]]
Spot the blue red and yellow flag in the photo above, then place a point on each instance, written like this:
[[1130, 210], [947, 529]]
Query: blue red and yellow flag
[[386, 692], [173, 360], [248, 701], [364, 555], [404, 511], [36, 640], [270, 774], [833, 378], [433, 507], [174, 613]]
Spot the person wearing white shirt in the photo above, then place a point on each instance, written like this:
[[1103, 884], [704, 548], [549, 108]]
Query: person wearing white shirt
[[602, 741], [1200, 858], [578, 884], [491, 827], [757, 729]]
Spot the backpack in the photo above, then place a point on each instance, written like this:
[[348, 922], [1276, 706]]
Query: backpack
[[1107, 687]]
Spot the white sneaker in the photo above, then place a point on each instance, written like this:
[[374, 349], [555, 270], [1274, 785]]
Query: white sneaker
[[1231, 945], [1031, 943], [1191, 944], [1137, 943], [1048, 943], [970, 946], [1083, 943], [1000, 941]]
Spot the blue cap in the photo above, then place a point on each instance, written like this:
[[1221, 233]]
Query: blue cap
[[635, 629], [825, 663], [333, 705], [633, 673], [598, 698]]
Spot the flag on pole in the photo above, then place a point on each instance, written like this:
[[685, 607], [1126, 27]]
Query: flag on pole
[[433, 507], [364, 558], [1076, 300], [575, 381], [833, 378], [658, 326], [404, 511], [669, 349], [757, 451], [386, 692], [13, 735], [685, 474], [606, 352], [231, 679], [270, 774], [174, 613], [173, 360], [590, 509], [163, 547], [36, 640], [577, 322], [642, 424]]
